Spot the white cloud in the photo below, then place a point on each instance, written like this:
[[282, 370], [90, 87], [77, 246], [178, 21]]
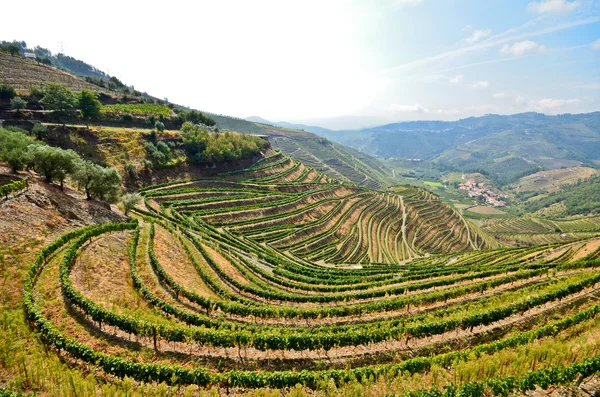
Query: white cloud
[[466, 29], [502, 95], [481, 84], [553, 6], [549, 103], [519, 100], [416, 108], [478, 35], [521, 48], [494, 41], [596, 45]]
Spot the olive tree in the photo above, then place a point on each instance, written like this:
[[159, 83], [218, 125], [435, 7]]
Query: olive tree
[[98, 182], [13, 149], [53, 163]]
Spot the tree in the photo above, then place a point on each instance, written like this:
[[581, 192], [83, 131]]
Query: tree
[[98, 182], [89, 105], [130, 200], [160, 126], [18, 103], [195, 140], [13, 149], [59, 98], [52, 162], [13, 49], [7, 91]]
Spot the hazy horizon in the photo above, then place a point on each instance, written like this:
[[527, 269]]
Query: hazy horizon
[[339, 64]]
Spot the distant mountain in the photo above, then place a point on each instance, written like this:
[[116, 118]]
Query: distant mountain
[[505, 147], [285, 124], [258, 119]]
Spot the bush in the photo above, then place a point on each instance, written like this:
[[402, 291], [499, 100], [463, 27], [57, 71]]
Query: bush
[[39, 131], [18, 103], [36, 93], [7, 91], [160, 126], [129, 201], [205, 147], [127, 117], [131, 171], [13, 148]]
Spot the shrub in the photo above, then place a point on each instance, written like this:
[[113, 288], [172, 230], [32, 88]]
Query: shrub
[[7, 91], [160, 126], [39, 131], [129, 201], [18, 103], [13, 148], [131, 171], [127, 117]]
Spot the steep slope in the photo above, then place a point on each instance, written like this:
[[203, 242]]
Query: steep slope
[[22, 73], [339, 161], [177, 298]]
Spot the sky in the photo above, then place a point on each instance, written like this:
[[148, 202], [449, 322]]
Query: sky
[[339, 64]]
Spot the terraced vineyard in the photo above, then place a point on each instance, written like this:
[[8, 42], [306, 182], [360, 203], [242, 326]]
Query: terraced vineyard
[[22, 73], [279, 275], [535, 231]]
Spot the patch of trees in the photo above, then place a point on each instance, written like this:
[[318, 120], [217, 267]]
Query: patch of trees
[[56, 164], [195, 117], [580, 198], [7, 91], [204, 147]]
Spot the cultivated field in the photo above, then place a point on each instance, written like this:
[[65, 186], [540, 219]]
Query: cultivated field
[[279, 277], [552, 180]]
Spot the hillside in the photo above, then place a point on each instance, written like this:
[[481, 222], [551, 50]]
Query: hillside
[[337, 160], [24, 73], [505, 147], [235, 283]]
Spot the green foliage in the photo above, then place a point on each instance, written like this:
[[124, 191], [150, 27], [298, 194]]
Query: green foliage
[[138, 109], [130, 200], [14, 186], [98, 182], [13, 148], [39, 131], [59, 98], [11, 48], [206, 147], [89, 105], [159, 125], [52, 162], [195, 117], [18, 103], [7, 91]]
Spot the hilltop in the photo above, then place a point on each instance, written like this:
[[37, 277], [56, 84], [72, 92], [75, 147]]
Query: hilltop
[[504, 147]]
